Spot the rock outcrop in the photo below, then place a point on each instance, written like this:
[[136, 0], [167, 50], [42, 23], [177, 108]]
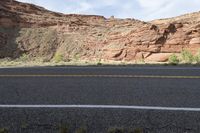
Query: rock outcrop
[[37, 32]]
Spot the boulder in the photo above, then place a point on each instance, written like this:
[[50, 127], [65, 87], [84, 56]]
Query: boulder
[[158, 57]]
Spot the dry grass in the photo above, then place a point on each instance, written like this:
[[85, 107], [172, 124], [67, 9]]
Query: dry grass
[[15, 63], [41, 62]]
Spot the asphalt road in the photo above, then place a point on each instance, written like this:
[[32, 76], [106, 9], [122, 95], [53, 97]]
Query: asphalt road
[[154, 98]]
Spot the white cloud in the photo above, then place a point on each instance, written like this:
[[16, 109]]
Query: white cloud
[[140, 9], [81, 7], [152, 3], [168, 8]]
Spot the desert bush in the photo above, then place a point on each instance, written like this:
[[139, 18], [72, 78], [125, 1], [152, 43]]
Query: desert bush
[[197, 57], [24, 57], [187, 57], [58, 57], [77, 57], [99, 63], [173, 59], [140, 61]]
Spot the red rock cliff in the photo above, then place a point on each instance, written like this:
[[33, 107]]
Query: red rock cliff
[[26, 28]]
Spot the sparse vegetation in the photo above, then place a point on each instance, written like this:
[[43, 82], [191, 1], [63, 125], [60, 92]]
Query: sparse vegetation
[[187, 57], [173, 59], [140, 61], [58, 57], [197, 57], [76, 57], [23, 58], [99, 63]]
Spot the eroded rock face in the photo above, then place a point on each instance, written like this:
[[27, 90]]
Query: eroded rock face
[[26, 28]]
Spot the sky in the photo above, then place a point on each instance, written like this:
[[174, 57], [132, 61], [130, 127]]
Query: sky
[[139, 9]]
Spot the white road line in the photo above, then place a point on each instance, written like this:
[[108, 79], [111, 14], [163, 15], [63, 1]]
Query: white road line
[[100, 76], [104, 107]]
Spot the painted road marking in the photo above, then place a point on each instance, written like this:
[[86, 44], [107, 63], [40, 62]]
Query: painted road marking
[[103, 107], [96, 76]]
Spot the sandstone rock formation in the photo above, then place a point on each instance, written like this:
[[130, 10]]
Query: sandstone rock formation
[[37, 32]]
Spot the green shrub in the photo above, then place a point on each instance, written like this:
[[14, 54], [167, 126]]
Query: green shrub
[[99, 62], [173, 59], [140, 61], [197, 57], [58, 58], [24, 57], [77, 57], [187, 57]]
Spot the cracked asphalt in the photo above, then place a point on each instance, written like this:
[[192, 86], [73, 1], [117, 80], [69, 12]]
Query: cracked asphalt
[[100, 90]]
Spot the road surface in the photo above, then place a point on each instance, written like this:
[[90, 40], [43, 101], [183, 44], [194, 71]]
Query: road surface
[[152, 98]]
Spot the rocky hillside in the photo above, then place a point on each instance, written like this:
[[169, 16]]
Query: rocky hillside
[[37, 32]]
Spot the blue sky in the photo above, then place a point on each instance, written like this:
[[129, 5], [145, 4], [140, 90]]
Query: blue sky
[[139, 9]]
